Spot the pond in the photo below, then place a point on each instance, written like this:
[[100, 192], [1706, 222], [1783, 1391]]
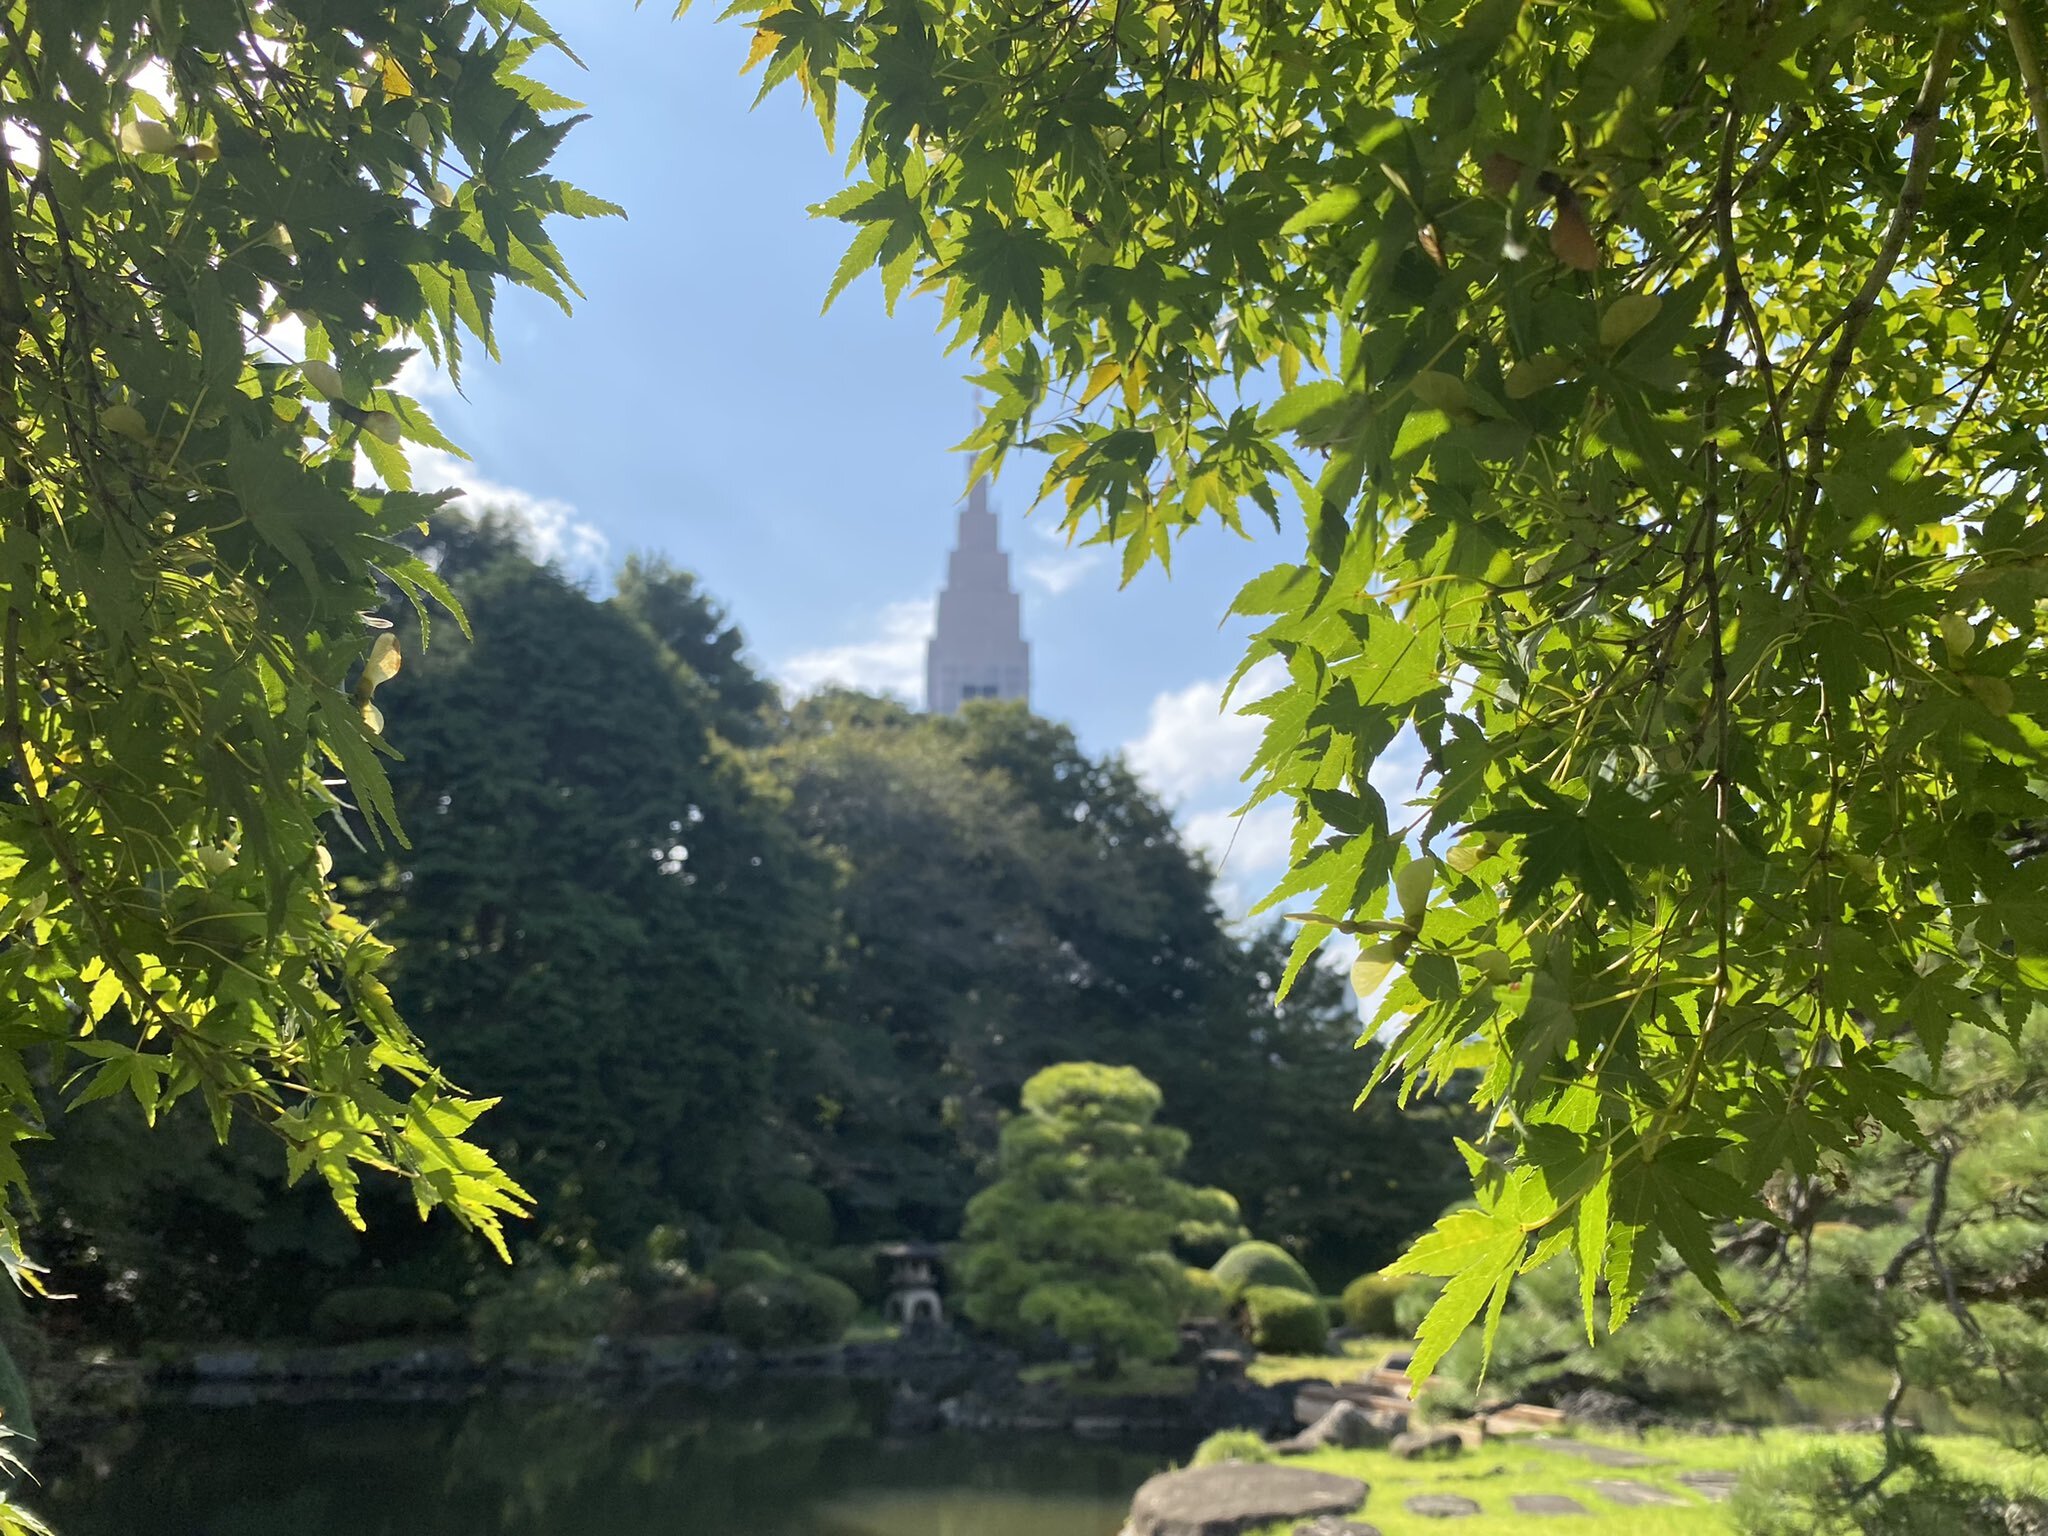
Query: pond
[[794, 1459]]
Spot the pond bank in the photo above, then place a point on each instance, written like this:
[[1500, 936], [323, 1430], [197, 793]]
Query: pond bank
[[931, 1385]]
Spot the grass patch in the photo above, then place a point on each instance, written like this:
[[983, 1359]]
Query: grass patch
[[1356, 1357], [1491, 1475], [1139, 1379]]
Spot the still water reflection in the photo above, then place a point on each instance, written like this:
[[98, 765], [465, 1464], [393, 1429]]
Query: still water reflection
[[797, 1459]]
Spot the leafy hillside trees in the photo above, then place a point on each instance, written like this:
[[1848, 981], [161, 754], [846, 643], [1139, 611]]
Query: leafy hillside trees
[[601, 917], [1658, 395], [1007, 902], [1076, 1232]]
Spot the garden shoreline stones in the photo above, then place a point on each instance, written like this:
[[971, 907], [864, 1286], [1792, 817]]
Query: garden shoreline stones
[[1229, 1497]]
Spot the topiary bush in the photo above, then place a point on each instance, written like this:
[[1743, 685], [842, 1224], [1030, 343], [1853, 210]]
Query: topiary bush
[[855, 1268], [544, 1301], [744, 1266], [1283, 1321], [687, 1306], [1250, 1264], [1231, 1445], [827, 1307], [1203, 1300], [1369, 1301], [383, 1312], [785, 1311]]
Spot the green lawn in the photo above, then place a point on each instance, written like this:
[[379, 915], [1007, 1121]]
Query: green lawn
[[1356, 1358], [1502, 1468]]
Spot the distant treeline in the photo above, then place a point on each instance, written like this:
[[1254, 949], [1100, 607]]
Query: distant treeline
[[713, 950]]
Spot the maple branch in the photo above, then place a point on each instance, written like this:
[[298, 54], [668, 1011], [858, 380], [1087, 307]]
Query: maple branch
[[1924, 121], [2030, 73]]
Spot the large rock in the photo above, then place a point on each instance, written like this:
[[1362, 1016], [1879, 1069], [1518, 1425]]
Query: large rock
[[1418, 1443], [1597, 1407], [1344, 1426], [1234, 1496]]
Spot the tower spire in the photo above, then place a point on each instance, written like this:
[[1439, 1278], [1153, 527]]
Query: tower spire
[[977, 649]]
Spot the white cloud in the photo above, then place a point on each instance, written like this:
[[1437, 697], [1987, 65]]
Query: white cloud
[[1059, 572], [889, 660], [1191, 745], [1248, 851], [555, 531]]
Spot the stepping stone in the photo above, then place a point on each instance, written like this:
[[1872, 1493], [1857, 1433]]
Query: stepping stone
[[1547, 1504], [1233, 1496], [1714, 1485], [1443, 1506], [1330, 1525], [1631, 1494], [1599, 1455]]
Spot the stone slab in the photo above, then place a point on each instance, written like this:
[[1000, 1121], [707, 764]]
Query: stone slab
[[1547, 1504], [1330, 1525], [1714, 1484], [1232, 1496], [1631, 1494], [1442, 1506], [1599, 1455]]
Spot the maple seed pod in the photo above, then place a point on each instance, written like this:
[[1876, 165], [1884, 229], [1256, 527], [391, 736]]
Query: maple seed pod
[[1571, 239], [1412, 884], [125, 420], [1533, 375], [1958, 634], [1463, 859], [324, 377], [146, 136], [1500, 173], [1372, 967], [1626, 316], [384, 661], [383, 426], [1442, 392], [442, 195], [1493, 965]]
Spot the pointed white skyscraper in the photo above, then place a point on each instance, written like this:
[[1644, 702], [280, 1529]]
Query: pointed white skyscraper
[[978, 650]]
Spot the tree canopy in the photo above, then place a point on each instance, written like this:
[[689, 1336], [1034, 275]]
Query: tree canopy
[[1658, 389]]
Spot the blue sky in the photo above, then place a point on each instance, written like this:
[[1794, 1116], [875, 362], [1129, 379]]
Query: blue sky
[[699, 405]]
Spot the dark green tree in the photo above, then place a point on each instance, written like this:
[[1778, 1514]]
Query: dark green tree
[[601, 915], [1076, 1233], [1007, 901]]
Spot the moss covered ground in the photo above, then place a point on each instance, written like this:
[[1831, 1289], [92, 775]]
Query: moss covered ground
[[1493, 1474]]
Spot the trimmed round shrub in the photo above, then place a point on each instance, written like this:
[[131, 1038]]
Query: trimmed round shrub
[[744, 1266], [828, 1307], [685, 1307], [788, 1310], [1368, 1303], [750, 1235], [1202, 1297], [1250, 1264], [854, 1268], [794, 1212], [383, 1312], [545, 1301], [1284, 1321]]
